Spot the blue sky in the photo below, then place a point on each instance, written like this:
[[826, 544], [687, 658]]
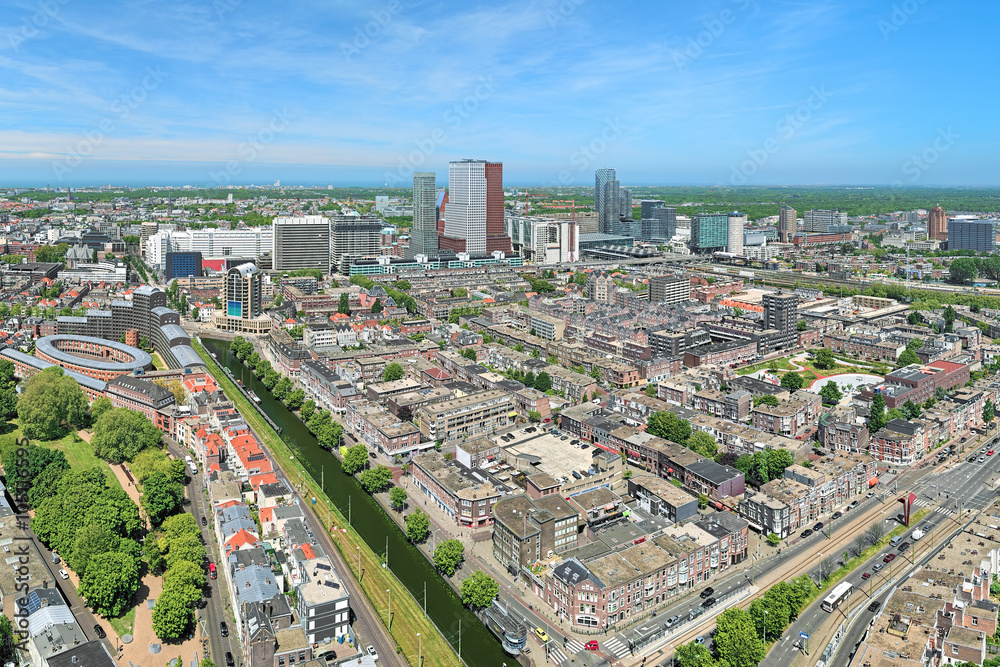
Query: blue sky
[[715, 92]]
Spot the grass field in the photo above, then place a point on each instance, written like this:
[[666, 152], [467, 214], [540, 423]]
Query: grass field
[[780, 364], [124, 624], [78, 453], [408, 618]]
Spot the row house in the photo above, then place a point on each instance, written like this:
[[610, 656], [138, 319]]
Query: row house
[[739, 438], [326, 387], [474, 414], [526, 529], [637, 406], [658, 369], [382, 430], [863, 346], [790, 418], [840, 430], [617, 374], [733, 406], [723, 354], [453, 487], [900, 442]]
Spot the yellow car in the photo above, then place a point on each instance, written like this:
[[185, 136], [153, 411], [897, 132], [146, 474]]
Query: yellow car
[[541, 634]]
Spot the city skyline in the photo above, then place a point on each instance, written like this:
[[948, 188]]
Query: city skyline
[[725, 93]]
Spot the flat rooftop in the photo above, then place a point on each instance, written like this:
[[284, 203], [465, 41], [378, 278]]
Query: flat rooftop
[[556, 457]]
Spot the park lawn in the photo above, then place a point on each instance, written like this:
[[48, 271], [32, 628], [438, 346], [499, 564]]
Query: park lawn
[[157, 361], [125, 623], [780, 364], [408, 618], [808, 377], [78, 452], [836, 370]]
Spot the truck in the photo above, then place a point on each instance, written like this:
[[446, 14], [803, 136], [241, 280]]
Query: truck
[[917, 534]]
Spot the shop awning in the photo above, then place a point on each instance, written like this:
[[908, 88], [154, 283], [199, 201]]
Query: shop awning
[[512, 414], [670, 470], [872, 482]]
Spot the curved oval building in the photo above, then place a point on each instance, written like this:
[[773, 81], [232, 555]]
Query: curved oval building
[[94, 357]]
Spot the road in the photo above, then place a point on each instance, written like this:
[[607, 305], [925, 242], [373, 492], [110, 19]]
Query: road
[[965, 484]]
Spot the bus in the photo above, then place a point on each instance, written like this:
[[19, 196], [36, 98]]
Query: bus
[[837, 596]]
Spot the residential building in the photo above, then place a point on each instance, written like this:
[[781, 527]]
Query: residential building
[[709, 232], [353, 237], [821, 221], [669, 289], [182, 265], [606, 200], [787, 224], [380, 429], [937, 224], [527, 529], [735, 225], [323, 602], [455, 489], [467, 416], [424, 236]]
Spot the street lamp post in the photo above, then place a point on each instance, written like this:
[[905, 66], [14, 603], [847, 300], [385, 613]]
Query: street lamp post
[[389, 621], [420, 650]]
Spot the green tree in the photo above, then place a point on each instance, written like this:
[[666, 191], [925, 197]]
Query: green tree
[[877, 419], [773, 539], [737, 640], [703, 443], [295, 398], [669, 426], [695, 655], [375, 479], [766, 399], [831, 393], [185, 573], [478, 590], [534, 416], [911, 410], [50, 402], [801, 325], [825, 359], [543, 382], [894, 413], [110, 583], [791, 381], [91, 541], [393, 372], [161, 497], [418, 526], [172, 616], [355, 459], [703, 501], [307, 409], [8, 650], [460, 292], [98, 408], [282, 388], [33, 472], [397, 497], [377, 307], [989, 411], [120, 434], [448, 555], [908, 357], [344, 307]]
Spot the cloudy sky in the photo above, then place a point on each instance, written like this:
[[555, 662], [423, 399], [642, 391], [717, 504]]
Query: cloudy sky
[[360, 93]]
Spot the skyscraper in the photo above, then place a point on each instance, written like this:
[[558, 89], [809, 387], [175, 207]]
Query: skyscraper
[[474, 222], [424, 239], [787, 224], [937, 224], [606, 200], [968, 234], [820, 221], [354, 237], [301, 242], [781, 311], [709, 232], [625, 203], [735, 225], [243, 292]]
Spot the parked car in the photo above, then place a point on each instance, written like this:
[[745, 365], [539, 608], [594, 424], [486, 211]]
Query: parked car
[[806, 533], [853, 504], [223, 629], [204, 521], [370, 650], [989, 453], [672, 621], [874, 606], [99, 631], [889, 558], [699, 640], [230, 662], [708, 603], [903, 547], [818, 527], [981, 459], [877, 566], [63, 573], [707, 593], [371, 455], [836, 515], [541, 634], [591, 645], [870, 494], [866, 575], [926, 527]]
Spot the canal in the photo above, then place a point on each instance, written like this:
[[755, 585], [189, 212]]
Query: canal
[[479, 647]]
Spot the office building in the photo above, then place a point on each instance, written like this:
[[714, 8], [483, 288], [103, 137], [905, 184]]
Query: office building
[[544, 240], [735, 225], [243, 292], [787, 224], [301, 243], [977, 235], [424, 239], [474, 222], [781, 311], [353, 237], [658, 224], [937, 224], [709, 232], [182, 265], [822, 220], [625, 202], [250, 243], [669, 289], [606, 203], [147, 230]]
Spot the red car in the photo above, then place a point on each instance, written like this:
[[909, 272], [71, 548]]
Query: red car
[[889, 558], [866, 575], [989, 453], [591, 645]]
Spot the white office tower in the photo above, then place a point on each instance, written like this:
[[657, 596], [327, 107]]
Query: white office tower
[[424, 239], [821, 221], [301, 243], [466, 217], [736, 224]]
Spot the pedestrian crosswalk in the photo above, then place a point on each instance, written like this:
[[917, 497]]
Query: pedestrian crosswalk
[[556, 655], [572, 645], [616, 647]]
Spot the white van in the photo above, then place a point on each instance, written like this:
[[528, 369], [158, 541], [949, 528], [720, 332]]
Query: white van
[[194, 469], [188, 459]]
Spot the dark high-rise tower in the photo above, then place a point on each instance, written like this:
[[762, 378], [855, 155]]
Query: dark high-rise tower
[[606, 202], [424, 239]]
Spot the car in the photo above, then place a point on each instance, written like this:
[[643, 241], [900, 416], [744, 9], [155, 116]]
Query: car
[[541, 634], [877, 566], [526, 649], [672, 621], [889, 558], [874, 606], [853, 504], [971, 459], [546, 420], [63, 573], [981, 459], [230, 662], [989, 453], [836, 515], [99, 631], [699, 640], [707, 593], [565, 437], [591, 645], [866, 575], [870, 494], [818, 527], [370, 650], [926, 527], [204, 521], [903, 547], [223, 629], [371, 455], [806, 533], [708, 603]]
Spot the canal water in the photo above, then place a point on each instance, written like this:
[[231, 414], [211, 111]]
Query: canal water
[[479, 647]]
